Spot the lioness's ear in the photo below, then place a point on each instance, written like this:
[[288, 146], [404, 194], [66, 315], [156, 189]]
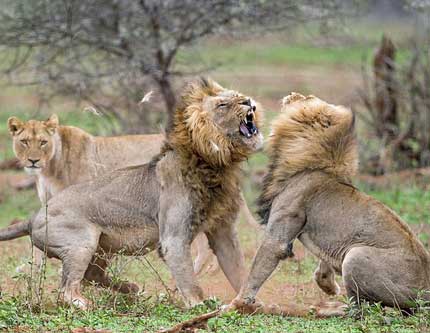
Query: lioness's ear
[[14, 125], [52, 124]]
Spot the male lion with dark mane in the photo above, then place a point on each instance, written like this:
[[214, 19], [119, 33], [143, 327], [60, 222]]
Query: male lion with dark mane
[[192, 186], [60, 156], [308, 194]]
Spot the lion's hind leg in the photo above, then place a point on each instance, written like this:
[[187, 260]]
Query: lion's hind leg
[[204, 253], [75, 263], [382, 275], [74, 241], [324, 276], [96, 272]]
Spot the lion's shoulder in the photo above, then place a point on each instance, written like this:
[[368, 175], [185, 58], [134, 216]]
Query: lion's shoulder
[[309, 135]]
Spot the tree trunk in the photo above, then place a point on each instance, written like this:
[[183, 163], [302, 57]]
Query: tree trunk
[[385, 90], [169, 99]]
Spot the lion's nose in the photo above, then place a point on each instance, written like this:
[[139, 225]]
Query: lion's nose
[[33, 161], [247, 102]]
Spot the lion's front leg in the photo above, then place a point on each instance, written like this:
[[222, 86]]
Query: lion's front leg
[[177, 254], [175, 225], [283, 227], [225, 244]]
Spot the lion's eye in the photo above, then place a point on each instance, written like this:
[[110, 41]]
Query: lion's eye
[[221, 105], [24, 142], [43, 142]]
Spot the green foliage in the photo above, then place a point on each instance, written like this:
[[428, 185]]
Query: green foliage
[[150, 316]]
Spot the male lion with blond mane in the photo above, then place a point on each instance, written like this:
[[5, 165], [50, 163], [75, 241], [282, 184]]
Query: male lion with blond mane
[[60, 156], [308, 194], [192, 186]]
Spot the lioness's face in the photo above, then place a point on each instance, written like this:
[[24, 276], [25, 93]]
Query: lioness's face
[[236, 116], [33, 142]]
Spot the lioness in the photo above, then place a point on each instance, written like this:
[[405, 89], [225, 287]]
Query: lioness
[[307, 194], [60, 156], [192, 186]]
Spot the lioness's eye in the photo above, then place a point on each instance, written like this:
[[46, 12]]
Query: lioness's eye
[[43, 142], [24, 142]]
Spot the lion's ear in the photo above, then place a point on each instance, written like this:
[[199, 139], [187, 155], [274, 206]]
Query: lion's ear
[[52, 124], [14, 125], [207, 84]]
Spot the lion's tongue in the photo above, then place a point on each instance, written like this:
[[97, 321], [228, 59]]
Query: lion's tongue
[[244, 130]]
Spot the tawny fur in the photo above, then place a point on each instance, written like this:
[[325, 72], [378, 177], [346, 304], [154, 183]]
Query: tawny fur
[[308, 196], [72, 156], [212, 173], [308, 135], [192, 186]]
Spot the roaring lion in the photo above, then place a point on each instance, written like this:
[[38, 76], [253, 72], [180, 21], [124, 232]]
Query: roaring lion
[[60, 156], [308, 195], [192, 186]]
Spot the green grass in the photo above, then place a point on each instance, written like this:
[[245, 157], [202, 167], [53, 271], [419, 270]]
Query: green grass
[[249, 55], [149, 316]]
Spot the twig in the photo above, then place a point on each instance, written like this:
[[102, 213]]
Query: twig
[[251, 309], [44, 259], [166, 287], [196, 322]]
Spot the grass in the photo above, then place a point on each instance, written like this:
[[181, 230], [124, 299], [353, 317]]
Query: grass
[[250, 55], [147, 316], [151, 309]]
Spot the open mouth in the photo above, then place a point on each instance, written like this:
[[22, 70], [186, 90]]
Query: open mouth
[[247, 126]]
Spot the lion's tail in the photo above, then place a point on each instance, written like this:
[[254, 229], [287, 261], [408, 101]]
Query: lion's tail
[[16, 230]]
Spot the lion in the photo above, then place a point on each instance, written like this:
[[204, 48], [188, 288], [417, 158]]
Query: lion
[[307, 194], [192, 186], [59, 156]]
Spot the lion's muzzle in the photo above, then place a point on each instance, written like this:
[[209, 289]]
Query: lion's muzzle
[[247, 126]]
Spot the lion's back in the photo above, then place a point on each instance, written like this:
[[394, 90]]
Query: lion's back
[[124, 196], [353, 217]]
